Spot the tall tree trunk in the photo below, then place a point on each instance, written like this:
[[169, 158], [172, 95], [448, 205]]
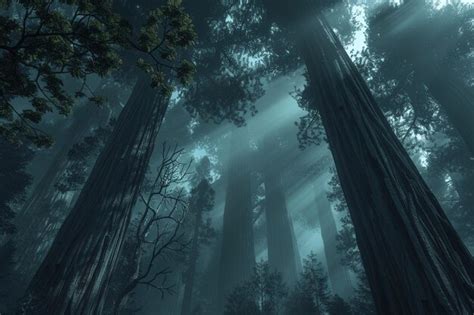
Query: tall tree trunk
[[414, 260], [74, 276], [86, 117], [237, 255], [338, 274], [281, 251], [186, 307], [34, 220]]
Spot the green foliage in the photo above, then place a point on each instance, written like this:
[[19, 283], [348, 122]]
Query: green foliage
[[48, 42], [51, 41], [166, 30], [262, 294], [80, 158], [311, 293], [337, 306]]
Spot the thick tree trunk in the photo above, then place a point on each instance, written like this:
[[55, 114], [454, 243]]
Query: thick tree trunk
[[237, 255], [37, 220], [281, 251], [414, 260], [74, 276], [338, 275], [186, 308]]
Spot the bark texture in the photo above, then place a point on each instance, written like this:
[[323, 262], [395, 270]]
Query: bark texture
[[414, 260], [34, 220], [74, 276]]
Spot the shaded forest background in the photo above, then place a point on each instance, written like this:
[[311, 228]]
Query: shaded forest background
[[236, 157]]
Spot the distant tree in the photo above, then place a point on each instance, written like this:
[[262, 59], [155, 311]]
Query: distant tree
[[201, 201], [263, 293], [337, 306], [237, 229], [13, 182], [311, 293]]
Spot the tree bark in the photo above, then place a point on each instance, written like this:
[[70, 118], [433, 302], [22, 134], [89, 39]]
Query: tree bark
[[34, 219], [237, 255], [74, 276], [415, 261], [338, 275], [281, 250]]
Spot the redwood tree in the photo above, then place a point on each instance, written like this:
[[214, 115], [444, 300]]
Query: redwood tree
[[74, 276], [415, 261]]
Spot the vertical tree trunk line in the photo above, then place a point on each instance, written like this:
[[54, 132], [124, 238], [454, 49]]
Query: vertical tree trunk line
[[186, 308], [338, 274], [281, 250], [237, 255], [414, 260], [74, 276], [32, 220]]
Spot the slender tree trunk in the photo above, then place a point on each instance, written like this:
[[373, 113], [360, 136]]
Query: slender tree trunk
[[186, 307], [338, 275], [415, 261], [74, 276], [237, 255], [281, 251]]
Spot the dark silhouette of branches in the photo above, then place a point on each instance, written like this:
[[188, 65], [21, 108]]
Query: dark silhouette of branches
[[159, 230]]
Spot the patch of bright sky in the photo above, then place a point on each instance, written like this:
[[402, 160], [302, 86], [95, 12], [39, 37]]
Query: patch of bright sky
[[201, 151], [359, 43], [438, 4], [175, 97], [192, 125]]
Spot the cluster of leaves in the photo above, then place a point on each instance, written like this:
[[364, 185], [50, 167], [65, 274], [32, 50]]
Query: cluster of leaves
[[167, 30], [14, 181], [41, 45], [266, 293], [79, 159], [311, 293], [407, 57], [241, 48], [262, 294], [362, 302], [310, 127], [202, 200], [450, 172], [44, 43]]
